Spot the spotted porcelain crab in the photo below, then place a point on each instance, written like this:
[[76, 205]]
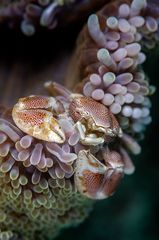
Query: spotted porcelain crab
[[98, 179], [95, 123]]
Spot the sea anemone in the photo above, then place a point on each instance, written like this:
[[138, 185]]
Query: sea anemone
[[106, 65], [38, 196], [30, 15], [45, 185]]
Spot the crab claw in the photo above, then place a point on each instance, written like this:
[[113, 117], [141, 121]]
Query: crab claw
[[97, 180], [34, 116]]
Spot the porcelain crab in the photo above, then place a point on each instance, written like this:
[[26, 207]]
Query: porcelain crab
[[95, 179], [95, 123]]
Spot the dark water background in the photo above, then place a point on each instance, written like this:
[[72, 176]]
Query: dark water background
[[133, 212]]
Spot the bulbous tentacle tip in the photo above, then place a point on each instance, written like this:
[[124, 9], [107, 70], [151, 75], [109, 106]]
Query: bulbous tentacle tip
[[34, 116], [96, 180]]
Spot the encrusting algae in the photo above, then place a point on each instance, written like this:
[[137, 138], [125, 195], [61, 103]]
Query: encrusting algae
[[47, 184]]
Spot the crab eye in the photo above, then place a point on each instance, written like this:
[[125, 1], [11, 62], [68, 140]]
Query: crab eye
[[86, 114]]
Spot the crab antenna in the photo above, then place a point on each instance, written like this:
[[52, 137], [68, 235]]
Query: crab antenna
[[57, 89]]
